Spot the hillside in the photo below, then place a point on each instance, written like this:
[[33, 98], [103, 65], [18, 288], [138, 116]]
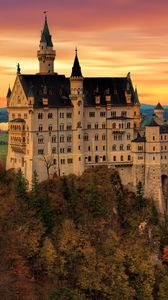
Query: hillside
[[3, 115], [80, 238]]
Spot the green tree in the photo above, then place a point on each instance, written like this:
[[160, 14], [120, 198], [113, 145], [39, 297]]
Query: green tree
[[139, 197], [21, 186]]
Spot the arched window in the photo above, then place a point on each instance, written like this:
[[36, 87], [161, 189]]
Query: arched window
[[85, 137], [104, 157], [96, 158], [96, 125], [96, 137], [69, 138], [114, 125], [54, 150], [103, 125], [53, 139], [122, 157], [114, 158], [50, 128], [129, 157], [103, 137], [89, 158], [50, 115], [40, 115], [128, 147], [128, 125], [61, 139], [114, 147], [40, 139], [121, 147]]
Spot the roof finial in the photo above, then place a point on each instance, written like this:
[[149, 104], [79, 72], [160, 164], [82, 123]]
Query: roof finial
[[76, 51], [18, 68], [45, 13]]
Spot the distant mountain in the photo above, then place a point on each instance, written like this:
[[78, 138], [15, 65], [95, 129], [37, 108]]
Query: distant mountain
[[3, 115], [147, 109]]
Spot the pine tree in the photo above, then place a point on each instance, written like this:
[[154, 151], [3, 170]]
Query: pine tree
[[21, 187]]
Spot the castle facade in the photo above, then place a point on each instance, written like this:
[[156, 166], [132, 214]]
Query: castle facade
[[60, 125]]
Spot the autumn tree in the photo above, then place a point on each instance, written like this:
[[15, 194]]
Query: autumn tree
[[21, 186]]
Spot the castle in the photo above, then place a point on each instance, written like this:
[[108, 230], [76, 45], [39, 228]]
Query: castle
[[60, 125]]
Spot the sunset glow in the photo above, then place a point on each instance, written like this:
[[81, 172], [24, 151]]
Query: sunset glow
[[113, 37]]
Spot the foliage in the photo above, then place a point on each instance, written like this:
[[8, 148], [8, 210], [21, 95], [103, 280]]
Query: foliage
[[78, 238]]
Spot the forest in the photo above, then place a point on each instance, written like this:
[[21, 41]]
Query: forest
[[80, 238]]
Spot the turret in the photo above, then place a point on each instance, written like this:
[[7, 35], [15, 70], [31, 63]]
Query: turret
[[76, 79], [76, 96], [159, 112], [46, 54], [8, 95]]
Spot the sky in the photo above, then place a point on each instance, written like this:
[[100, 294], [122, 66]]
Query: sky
[[113, 37]]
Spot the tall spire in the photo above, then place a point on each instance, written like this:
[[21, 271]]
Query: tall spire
[[45, 34], [76, 69], [9, 92], [46, 54]]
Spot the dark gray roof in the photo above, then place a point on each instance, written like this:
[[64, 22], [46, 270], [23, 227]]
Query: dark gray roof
[[139, 139], [76, 69], [45, 35], [119, 118], [159, 107], [164, 129], [8, 93], [153, 123], [18, 120], [57, 89]]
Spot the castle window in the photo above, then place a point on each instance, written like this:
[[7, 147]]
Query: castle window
[[50, 128], [40, 151], [61, 115], [114, 158], [153, 148], [54, 161], [165, 148], [79, 147], [91, 114], [96, 125], [69, 138], [54, 150], [140, 148], [89, 158], [62, 150], [128, 147], [89, 126], [129, 157], [153, 138], [85, 137], [96, 148], [69, 149], [102, 113], [103, 125], [69, 160], [153, 157], [79, 158], [104, 158], [114, 125], [103, 137], [165, 137], [40, 115], [104, 148], [161, 157], [40, 128], [69, 127], [25, 116], [50, 115], [53, 139], [128, 125], [121, 147], [96, 158], [69, 115], [113, 113], [122, 158], [61, 139], [165, 157], [88, 148], [123, 113], [79, 136], [79, 125], [161, 137], [61, 127], [63, 161], [96, 137], [40, 139], [128, 136], [134, 113], [161, 147]]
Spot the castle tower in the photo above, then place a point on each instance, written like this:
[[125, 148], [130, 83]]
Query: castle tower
[[159, 112], [46, 54], [76, 96]]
